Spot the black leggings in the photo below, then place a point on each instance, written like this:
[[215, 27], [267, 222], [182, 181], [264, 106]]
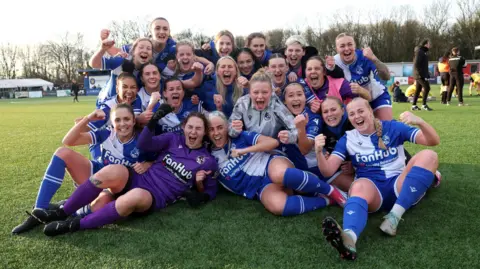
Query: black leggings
[[456, 79], [445, 76], [421, 84]]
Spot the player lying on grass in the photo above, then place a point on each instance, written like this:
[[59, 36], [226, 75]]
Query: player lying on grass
[[309, 124], [118, 146], [382, 179], [183, 159], [246, 169]]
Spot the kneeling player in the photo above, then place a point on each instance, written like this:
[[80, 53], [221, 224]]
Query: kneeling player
[[382, 179]]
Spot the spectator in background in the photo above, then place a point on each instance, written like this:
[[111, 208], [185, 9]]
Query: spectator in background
[[421, 74], [475, 82], [444, 69], [398, 95], [75, 90], [457, 63]]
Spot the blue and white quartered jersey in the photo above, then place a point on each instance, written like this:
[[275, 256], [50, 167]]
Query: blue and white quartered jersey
[[364, 72], [144, 97], [368, 159], [114, 151], [107, 106], [159, 58], [312, 130], [172, 122], [242, 175], [110, 89]]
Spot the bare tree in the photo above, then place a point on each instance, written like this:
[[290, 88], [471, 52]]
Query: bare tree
[[68, 55], [468, 26], [8, 61], [436, 16], [127, 31], [240, 41]]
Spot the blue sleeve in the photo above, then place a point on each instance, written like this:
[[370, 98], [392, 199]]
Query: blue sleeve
[[312, 128], [308, 92], [137, 106], [99, 136], [250, 137], [406, 132], [111, 63], [372, 68], [95, 125], [341, 148]]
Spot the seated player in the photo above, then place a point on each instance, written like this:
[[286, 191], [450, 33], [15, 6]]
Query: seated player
[[246, 169], [474, 83], [173, 95], [118, 146], [383, 181], [182, 161]]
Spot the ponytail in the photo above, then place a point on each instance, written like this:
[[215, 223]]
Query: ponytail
[[378, 130]]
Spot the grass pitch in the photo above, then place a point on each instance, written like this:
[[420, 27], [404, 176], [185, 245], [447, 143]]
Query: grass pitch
[[232, 232]]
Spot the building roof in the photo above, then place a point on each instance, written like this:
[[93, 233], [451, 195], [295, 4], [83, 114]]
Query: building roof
[[24, 83]]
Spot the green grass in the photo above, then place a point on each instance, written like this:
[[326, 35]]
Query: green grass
[[232, 232]]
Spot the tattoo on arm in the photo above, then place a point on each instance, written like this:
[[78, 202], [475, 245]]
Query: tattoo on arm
[[95, 182], [382, 70]]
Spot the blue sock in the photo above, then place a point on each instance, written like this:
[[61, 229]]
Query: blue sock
[[416, 183], [51, 182], [298, 204], [305, 182], [355, 215]]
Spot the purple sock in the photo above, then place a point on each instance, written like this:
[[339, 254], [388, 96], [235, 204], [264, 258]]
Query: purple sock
[[106, 215], [82, 196]]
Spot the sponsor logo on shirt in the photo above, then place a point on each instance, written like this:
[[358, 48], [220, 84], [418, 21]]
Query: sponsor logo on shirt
[[361, 81], [108, 158], [177, 169], [378, 157], [232, 166]]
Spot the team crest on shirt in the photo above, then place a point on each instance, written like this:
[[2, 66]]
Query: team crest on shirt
[[249, 117], [134, 153], [386, 139], [200, 159], [359, 70], [186, 114], [267, 116]]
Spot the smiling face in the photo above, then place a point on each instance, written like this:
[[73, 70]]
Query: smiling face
[[245, 63], [332, 112], [160, 30], [315, 73], [260, 94], [185, 58], [127, 90], [258, 46], [226, 71], [295, 98], [360, 114], [346, 49], [142, 52], [294, 54], [151, 77], [194, 131], [278, 68], [123, 122], [218, 132], [224, 45], [174, 93]]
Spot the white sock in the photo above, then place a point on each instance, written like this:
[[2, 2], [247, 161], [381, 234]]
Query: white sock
[[398, 210], [351, 234]]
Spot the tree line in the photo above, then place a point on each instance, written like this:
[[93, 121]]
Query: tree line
[[392, 37]]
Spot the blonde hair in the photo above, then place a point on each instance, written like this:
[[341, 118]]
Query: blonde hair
[[221, 88], [219, 114], [178, 45], [376, 122], [296, 39], [261, 76], [226, 33]]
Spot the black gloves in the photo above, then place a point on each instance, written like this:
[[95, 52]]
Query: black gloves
[[162, 111], [196, 198]]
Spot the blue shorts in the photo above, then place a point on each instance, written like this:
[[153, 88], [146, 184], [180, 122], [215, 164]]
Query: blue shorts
[[266, 179], [388, 194], [96, 166], [384, 100]]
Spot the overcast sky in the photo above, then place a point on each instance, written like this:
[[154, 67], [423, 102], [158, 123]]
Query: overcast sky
[[27, 21]]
